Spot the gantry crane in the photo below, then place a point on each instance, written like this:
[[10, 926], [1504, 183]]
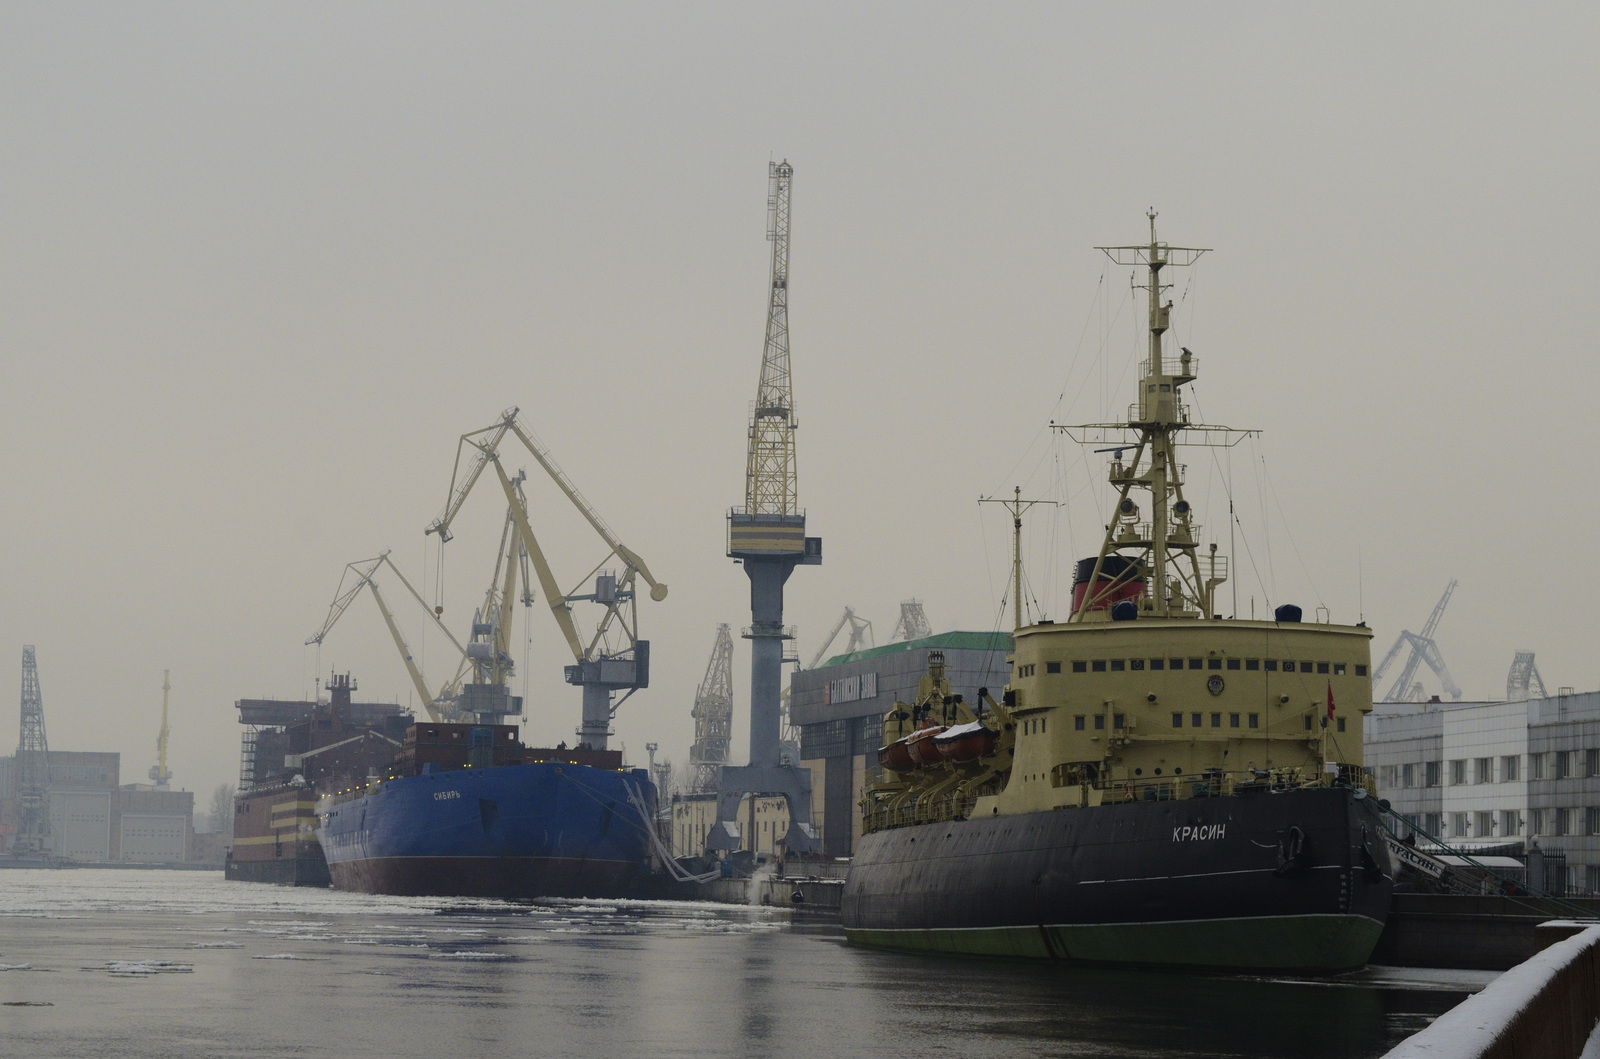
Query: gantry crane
[[1423, 649], [159, 774], [1523, 678], [33, 763], [913, 623], [713, 715], [768, 535], [614, 658]]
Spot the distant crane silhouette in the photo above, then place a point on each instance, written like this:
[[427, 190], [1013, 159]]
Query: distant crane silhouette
[[1423, 649], [1523, 678]]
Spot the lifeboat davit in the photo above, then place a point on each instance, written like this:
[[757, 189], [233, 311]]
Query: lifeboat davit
[[915, 751], [965, 742]]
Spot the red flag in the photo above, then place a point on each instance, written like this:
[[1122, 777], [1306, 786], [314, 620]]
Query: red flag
[[1330, 700]]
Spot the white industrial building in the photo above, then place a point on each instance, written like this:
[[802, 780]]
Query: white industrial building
[[1489, 774]]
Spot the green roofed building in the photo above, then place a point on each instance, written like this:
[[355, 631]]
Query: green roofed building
[[839, 708]]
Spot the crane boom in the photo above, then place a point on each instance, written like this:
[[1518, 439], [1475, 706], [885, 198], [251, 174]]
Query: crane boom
[[405, 653], [547, 581]]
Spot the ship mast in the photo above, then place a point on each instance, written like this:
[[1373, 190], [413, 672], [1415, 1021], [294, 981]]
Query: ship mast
[[1162, 549]]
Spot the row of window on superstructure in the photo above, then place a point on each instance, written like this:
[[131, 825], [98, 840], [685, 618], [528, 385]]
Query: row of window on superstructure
[[1137, 665], [1506, 768], [1196, 720], [1508, 823]]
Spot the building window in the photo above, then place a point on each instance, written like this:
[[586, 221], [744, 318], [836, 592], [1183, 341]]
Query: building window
[[1080, 667], [1432, 770], [1536, 769], [1177, 720], [1563, 822], [1255, 720], [1408, 775], [1564, 765], [1387, 775], [1591, 763], [1052, 667], [1077, 723], [1509, 768], [1483, 770], [1434, 824], [1458, 825], [1536, 818], [1510, 823], [1591, 821], [1458, 771], [1484, 824]]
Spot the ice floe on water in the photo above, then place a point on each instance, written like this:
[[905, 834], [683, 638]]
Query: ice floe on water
[[16, 966], [144, 968], [469, 955], [285, 956]]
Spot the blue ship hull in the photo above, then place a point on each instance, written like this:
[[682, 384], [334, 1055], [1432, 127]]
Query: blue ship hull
[[551, 829]]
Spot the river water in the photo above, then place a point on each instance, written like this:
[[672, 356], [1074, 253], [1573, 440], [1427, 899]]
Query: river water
[[177, 964]]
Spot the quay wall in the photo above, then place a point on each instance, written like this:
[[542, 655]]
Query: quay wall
[[1485, 932], [1546, 1007]]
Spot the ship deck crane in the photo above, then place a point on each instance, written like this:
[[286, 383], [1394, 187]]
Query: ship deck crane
[[1523, 678], [614, 658], [1423, 649]]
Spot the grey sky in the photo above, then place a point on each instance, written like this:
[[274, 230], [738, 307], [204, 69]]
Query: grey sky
[[262, 265]]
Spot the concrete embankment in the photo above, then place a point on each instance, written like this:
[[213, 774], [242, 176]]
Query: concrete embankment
[[815, 885], [1489, 933], [1546, 1007]]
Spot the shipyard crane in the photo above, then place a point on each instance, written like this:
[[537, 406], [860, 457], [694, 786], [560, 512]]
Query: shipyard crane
[[33, 763], [614, 658], [913, 623], [439, 705], [1523, 678], [768, 536], [860, 635], [713, 715], [159, 774], [1423, 649]]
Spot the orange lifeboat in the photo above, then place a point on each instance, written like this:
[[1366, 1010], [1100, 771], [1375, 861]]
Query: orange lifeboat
[[965, 742], [914, 751]]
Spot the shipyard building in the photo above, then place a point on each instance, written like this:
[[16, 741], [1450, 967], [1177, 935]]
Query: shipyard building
[[96, 819], [1481, 775], [839, 708]]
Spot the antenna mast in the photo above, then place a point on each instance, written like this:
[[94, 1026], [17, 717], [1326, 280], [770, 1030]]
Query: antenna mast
[[1016, 505]]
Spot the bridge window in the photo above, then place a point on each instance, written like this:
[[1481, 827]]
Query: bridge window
[[1158, 663], [1052, 667], [1255, 720], [1196, 663], [1118, 665], [1252, 663], [1098, 665], [1322, 667], [1136, 663], [1216, 720], [1271, 665], [1213, 663], [1339, 722], [1080, 667], [1099, 721], [1233, 663], [1194, 720], [1177, 720], [1338, 669], [1233, 720], [1077, 723], [1361, 670]]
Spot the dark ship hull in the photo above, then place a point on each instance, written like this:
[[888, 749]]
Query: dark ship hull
[[1296, 880]]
